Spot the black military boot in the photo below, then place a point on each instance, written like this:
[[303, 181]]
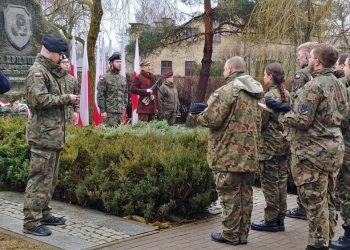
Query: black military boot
[[315, 248], [296, 214], [343, 242], [53, 221], [280, 223], [40, 230], [268, 226]]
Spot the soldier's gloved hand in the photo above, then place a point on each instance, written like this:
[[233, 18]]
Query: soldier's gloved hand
[[74, 99], [149, 91], [197, 108], [276, 105]]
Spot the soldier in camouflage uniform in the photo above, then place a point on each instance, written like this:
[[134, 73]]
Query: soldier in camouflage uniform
[[46, 134], [112, 93], [168, 99], [343, 182], [301, 77], [274, 154], [234, 121], [339, 68], [71, 87], [320, 109]]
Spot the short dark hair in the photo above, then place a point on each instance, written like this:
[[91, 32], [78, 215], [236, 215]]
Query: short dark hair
[[326, 53], [342, 58], [277, 72]]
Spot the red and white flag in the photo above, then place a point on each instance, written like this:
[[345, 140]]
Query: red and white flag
[[135, 98], [84, 90], [73, 60], [123, 73], [100, 70]]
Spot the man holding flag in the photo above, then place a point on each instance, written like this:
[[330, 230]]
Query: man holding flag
[[147, 105], [112, 93]]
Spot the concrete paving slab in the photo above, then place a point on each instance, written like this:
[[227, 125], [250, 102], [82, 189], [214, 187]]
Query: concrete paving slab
[[85, 228]]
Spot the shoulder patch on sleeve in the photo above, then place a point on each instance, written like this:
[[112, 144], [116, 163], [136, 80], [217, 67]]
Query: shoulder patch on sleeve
[[101, 77], [296, 76], [216, 94], [38, 74]]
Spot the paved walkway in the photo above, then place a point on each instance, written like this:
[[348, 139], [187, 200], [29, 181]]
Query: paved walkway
[[87, 229]]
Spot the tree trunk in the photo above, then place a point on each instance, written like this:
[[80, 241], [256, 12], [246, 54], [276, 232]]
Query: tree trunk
[[310, 21], [96, 16], [207, 53]]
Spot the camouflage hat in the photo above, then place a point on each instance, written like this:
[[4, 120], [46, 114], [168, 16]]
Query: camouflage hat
[[145, 63], [168, 74], [55, 44]]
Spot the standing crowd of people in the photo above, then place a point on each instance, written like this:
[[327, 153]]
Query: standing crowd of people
[[305, 132]]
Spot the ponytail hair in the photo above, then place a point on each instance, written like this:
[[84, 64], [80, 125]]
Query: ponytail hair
[[277, 73]]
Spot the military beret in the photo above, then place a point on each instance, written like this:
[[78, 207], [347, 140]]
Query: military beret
[[115, 56], [54, 44], [64, 58], [276, 105], [198, 107], [168, 74], [145, 63]]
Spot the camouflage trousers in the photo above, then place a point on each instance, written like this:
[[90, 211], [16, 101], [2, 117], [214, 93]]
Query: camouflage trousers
[[344, 191], [42, 180], [169, 116], [316, 192], [274, 178], [113, 119], [236, 196]]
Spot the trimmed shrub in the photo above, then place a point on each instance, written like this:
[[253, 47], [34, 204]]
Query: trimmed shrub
[[152, 170]]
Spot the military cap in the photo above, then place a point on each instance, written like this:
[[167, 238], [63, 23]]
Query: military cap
[[54, 44], [168, 74], [145, 63], [64, 58], [115, 56], [198, 107]]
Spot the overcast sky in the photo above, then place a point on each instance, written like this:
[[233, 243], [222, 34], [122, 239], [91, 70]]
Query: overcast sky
[[115, 27]]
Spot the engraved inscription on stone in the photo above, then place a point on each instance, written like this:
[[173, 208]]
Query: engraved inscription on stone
[[18, 23]]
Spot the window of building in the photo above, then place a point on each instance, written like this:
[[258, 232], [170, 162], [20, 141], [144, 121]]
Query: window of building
[[166, 66], [189, 68]]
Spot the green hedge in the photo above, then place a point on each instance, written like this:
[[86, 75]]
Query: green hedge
[[151, 170]]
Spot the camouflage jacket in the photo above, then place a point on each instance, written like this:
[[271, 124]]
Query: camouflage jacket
[[341, 76], [273, 141], [321, 107], [168, 97], [301, 77], [46, 100], [71, 86], [234, 121], [112, 93]]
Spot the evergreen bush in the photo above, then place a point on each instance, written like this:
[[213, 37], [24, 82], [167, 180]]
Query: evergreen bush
[[152, 170]]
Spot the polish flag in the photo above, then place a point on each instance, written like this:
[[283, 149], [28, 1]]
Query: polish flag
[[73, 60], [97, 119], [134, 97], [84, 90], [123, 73]]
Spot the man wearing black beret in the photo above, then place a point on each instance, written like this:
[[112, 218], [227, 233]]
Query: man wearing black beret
[[46, 131], [112, 93]]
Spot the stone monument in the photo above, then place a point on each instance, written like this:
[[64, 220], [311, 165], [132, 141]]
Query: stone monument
[[22, 27]]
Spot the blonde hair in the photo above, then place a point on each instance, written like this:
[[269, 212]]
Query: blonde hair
[[237, 63], [308, 46]]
